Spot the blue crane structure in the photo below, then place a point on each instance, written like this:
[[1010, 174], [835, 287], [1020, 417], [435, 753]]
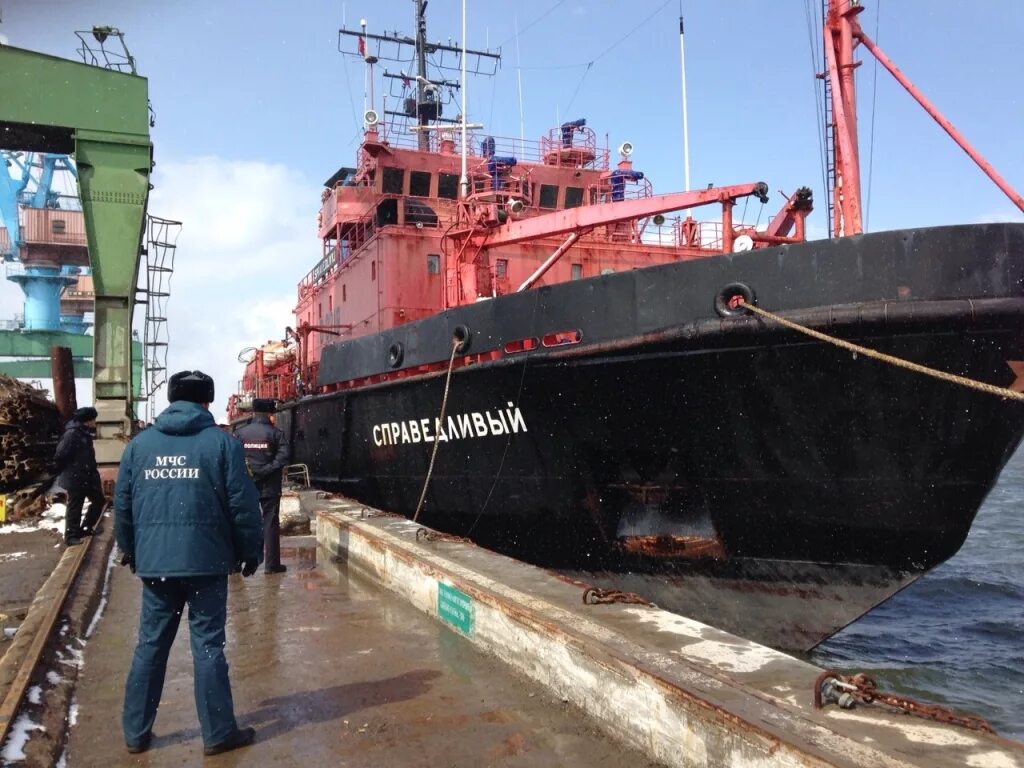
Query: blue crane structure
[[44, 247]]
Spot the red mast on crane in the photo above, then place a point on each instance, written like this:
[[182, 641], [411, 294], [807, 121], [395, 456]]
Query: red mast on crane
[[842, 34]]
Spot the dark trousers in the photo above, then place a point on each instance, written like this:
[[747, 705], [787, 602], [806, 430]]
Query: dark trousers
[[73, 525], [271, 506], [163, 601]]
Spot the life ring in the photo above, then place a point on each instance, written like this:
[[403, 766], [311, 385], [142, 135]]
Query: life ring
[[395, 354], [462, 334], [726, 302]]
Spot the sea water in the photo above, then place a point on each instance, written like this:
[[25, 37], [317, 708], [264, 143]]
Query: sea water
[[956, 636]]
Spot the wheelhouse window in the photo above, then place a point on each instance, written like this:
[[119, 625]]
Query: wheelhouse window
[[393, 180], [573, 197], [448, 186], [548, 196], [419, 184]]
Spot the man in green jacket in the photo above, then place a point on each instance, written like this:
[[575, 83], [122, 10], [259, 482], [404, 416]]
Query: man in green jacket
[[186, 515]]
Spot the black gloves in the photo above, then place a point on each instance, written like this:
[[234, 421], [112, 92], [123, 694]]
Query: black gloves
[[249, 567], [128, 560]]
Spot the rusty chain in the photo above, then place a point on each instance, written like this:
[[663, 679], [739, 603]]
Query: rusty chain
[[598, 596], [846, 691]]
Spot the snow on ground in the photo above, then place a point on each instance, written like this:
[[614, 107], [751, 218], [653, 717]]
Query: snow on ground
[[35, 694], [14, 748], [51, 520], [77, 658], [104, 596], [8, 557], [53, 678]]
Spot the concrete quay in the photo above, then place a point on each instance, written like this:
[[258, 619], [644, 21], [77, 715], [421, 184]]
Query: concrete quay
[[333, 670], [683, 693]]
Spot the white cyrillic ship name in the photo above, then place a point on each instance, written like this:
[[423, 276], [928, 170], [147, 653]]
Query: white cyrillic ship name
[[459, 427]]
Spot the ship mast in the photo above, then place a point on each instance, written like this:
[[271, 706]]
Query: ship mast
[[432, 94], [421, 72]]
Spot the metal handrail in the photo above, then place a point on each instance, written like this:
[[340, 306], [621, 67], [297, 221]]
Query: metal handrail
[[301, 471]]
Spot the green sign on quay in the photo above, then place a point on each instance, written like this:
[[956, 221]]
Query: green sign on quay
[[455, 608]]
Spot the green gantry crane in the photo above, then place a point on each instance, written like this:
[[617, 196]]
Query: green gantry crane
[[49, 104]]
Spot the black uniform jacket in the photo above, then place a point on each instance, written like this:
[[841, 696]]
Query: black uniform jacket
[[266, 453], [75, 459]]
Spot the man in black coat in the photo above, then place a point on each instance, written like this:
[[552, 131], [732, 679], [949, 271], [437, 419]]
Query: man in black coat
[[266, 453], [75, 460]]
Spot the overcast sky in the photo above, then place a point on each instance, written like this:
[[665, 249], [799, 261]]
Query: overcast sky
[[255, 108]]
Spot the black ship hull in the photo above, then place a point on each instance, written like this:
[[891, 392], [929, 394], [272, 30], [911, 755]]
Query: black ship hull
[[729, 469]]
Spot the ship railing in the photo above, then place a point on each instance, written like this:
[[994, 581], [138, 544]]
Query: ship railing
[[683, 232], [298, 474], [502, 186], [632, 190], [279, 386], [573, 147], [446, 138]]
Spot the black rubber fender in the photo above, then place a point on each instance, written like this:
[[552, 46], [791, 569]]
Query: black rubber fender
[[396, 353], [725, 296], [464, 336]]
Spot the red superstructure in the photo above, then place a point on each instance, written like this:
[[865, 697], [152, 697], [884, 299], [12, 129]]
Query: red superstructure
[[403, 240], [400, 244]]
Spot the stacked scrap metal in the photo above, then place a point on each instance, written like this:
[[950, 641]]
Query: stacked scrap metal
[[29, 429]]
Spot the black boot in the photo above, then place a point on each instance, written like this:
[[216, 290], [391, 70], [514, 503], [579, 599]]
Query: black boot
[[242, 737]]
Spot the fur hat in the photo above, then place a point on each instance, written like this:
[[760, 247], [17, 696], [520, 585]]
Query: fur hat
[[83, 415], [264, 405], [194, 386]]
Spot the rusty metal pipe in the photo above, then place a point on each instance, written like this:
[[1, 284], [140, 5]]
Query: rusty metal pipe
[[62, 369]]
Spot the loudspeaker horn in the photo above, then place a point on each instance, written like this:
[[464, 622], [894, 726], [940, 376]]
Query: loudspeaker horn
[[658, 219], [370, 118]]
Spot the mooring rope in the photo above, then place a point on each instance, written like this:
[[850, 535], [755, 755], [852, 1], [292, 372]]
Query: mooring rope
[[892, 360], [433, 454]]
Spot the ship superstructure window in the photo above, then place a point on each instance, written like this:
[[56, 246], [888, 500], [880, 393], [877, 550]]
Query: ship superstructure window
[[577, 271], [373, 270], [548, 196], [419, 184], [573, 197], [448, 186], [501, 268], [433, 264], [344, 293], [393, 180]]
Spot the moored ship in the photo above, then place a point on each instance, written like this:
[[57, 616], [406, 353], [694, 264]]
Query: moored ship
[[576, 379]]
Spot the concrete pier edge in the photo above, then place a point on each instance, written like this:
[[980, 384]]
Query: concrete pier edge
[[676, 711]]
